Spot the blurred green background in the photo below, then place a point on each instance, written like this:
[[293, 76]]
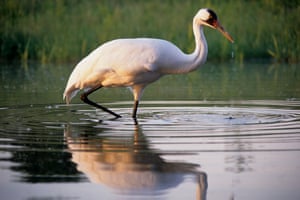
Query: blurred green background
[[64, 31]]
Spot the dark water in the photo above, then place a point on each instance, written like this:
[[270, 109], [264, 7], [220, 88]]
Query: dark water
[[227, 131]]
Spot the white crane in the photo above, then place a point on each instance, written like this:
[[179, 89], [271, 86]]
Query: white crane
[[137, 62]]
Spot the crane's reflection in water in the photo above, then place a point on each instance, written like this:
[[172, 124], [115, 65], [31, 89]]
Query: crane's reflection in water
[[128, 164]]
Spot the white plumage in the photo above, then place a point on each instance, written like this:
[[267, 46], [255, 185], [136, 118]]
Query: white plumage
[[137, 62]]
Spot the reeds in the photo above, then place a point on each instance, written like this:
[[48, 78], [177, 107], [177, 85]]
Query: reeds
[[66, 30]]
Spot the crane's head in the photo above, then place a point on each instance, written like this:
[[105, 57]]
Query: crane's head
[[207, 17]]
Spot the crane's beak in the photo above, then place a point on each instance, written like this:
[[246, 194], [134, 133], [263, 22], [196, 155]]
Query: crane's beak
[[220, 28]]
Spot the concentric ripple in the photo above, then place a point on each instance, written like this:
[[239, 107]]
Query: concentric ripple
[[206, 126], [209, 126]]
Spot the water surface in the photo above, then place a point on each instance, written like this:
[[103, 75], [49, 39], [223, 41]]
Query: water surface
[[226, 131]]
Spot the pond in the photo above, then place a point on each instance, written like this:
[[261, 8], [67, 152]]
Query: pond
[[226, 131]]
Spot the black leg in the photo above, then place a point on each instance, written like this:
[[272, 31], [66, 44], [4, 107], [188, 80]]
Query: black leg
[[84, 98], [135, 107]]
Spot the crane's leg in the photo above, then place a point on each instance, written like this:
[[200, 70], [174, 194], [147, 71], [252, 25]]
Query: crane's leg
[[84, 98], [135, 107]]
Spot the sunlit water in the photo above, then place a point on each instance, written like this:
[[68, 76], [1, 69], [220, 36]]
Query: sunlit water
[[242, 146]]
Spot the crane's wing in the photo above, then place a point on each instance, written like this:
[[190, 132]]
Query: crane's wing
[[122, 62]]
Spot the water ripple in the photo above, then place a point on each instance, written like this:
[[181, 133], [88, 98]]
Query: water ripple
[[205, 126]]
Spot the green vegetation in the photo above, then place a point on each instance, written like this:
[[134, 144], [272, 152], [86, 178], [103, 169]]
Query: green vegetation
[[66, 30]]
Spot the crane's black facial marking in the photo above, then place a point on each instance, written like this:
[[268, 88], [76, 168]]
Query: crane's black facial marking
[[212, 17]]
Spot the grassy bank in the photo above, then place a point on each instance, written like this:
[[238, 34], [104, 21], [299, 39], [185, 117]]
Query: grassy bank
[[66, 30]]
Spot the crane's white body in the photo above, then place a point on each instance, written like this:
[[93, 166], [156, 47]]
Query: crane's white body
[[137, 62], [129, 63]]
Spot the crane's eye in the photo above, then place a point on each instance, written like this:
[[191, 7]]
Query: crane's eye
[[211, 20], [212, 17]]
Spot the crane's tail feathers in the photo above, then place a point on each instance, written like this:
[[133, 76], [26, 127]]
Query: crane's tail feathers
[[69, 94]]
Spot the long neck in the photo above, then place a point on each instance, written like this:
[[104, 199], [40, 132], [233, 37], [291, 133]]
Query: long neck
[[198, 57], [200, 53]]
